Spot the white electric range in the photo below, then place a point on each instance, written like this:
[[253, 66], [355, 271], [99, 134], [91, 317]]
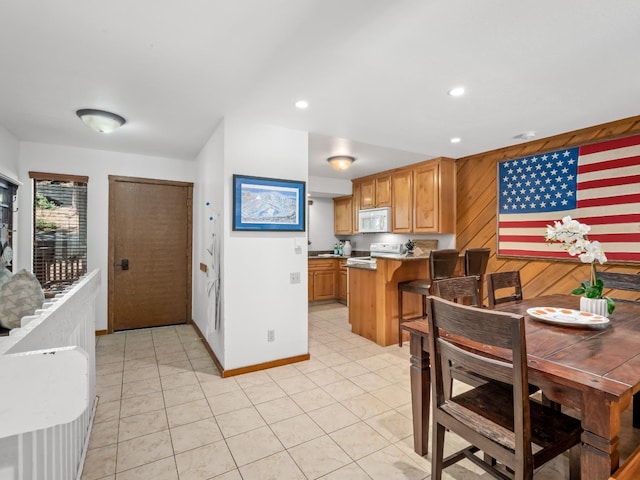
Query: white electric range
[[378, 250]]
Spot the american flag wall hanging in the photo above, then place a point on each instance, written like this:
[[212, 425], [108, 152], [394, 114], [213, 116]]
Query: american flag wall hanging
[[596, 184]]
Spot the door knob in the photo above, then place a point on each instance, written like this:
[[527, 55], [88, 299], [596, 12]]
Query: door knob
[[125, 264]]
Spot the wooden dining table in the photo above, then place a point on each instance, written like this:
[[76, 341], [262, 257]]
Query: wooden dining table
[[594, 371]]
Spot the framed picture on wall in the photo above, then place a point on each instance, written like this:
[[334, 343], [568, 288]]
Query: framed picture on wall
[[268, 204]]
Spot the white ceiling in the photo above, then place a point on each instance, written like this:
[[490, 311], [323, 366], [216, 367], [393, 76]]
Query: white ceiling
[[375, 72]]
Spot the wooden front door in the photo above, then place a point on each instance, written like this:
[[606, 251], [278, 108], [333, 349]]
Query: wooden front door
[[150, 229]]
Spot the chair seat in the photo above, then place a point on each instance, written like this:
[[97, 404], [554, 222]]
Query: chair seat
[[551, 432], [419, 286]]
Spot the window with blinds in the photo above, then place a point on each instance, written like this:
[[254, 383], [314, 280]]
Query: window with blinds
[[60, 229]]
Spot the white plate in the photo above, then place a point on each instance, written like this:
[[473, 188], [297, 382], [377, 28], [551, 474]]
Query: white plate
[[567, 317]]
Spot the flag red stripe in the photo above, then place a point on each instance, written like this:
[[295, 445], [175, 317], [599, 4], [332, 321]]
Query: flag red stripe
[[526, 224], [615, 237], [612, 256], [616, 200], [600, 220], [625, 256], [529, 253], [610, 145], [608, 182], [601, 237], [609, 164], [611, 219], [522, 238]]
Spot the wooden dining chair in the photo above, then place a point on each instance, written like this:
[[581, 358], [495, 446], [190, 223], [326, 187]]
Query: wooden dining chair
[[630, 469], [509, 281], [515, 433], [442, 264], [475, 263], [629, 282]]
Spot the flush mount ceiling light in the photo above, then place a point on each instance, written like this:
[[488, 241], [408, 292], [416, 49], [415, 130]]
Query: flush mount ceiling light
[[99, 120], [456, 92], [341, 162], [455, 140], [302, 104]]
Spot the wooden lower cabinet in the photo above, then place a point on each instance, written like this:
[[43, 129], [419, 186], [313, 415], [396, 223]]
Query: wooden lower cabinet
[[362, 302], [342, 281], [322, 277]]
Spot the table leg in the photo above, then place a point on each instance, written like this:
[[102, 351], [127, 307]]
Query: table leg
[[420, 392], [599, 455]]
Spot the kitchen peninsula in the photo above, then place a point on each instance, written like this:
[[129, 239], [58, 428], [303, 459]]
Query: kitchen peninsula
[[373, 296]]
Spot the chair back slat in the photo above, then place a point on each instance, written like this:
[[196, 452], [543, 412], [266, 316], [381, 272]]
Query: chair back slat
[[620, 281], [458, 289]]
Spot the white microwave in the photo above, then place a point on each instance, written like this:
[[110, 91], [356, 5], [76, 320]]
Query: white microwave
[[374, 220]]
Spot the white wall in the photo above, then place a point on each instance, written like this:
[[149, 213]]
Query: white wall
[[257, 293], [321, 224], [208, 218], [9, 154], [98, 165]]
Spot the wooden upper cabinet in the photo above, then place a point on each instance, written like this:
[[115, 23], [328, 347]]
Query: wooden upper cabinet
[[375, 192], [343, 215], [402, 201], [434, 199], [383, 191]]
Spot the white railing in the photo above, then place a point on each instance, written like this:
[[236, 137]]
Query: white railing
[[47, 385]]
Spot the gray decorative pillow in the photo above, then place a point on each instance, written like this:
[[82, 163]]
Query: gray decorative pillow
[[20, 296], [5, 274]]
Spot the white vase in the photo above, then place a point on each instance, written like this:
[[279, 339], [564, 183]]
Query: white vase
[[346, 249], [597, 306]]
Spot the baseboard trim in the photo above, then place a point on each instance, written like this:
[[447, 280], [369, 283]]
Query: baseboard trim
[[251, 368], [264, 366], [99, 333]]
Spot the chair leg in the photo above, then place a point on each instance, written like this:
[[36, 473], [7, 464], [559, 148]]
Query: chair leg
[[636, 410], [399, 318], [437, 453], [424, 306], [574, 462]]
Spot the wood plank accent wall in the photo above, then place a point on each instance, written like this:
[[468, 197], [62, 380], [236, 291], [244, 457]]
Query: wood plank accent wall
[[477, 222]]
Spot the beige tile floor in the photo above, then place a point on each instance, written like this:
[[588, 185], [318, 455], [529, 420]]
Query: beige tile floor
[[164, 412]]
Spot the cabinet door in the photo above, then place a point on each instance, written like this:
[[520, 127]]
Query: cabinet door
[[310, 287], [356, 207], [324, 285], [342, 286], [343, 215], [383, 191], [426, 197], [368, 194], [402, 204]]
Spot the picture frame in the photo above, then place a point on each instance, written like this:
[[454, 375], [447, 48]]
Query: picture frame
[[268, 204]]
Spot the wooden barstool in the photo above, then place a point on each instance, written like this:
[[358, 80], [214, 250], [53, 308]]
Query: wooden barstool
[[475, 264], [442, 264]]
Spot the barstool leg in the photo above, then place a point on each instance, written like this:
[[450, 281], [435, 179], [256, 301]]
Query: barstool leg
[[399, 317]]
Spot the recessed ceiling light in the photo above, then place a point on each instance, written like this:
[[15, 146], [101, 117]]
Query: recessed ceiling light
[[455, 140], [456, 92], [526, 135], [302, 104]]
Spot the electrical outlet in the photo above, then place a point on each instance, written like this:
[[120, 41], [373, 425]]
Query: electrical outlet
[[294, 277], [271, 335]]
